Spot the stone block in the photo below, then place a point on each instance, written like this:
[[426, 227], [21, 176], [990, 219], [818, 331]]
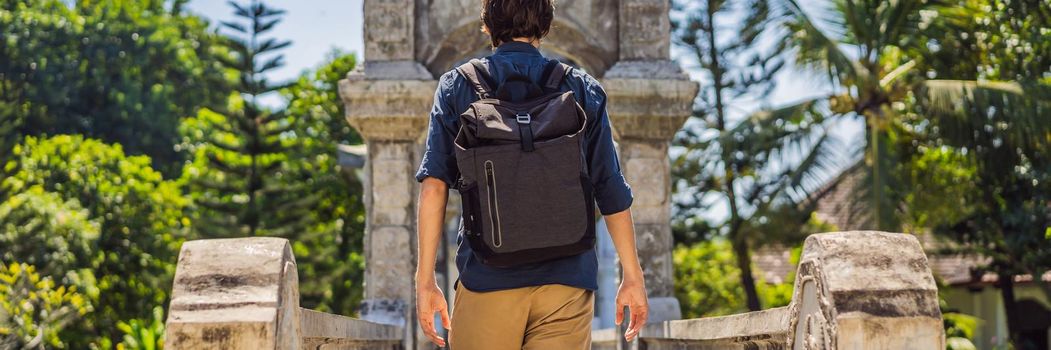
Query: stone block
[[388, 110], [328, 331], [654, 249], [392, 179], [234, 294], [390, 263], [765, 329], [389, 29], [447, 32], [649, 109], [645, 30], [865, 290]]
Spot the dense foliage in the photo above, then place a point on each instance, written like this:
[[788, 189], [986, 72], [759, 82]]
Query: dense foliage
[[35, 309], [123, 71], [242, 179], [707, 281], [1002, 140], [330, 253], [139, 215], [84, 220], [954, 97]]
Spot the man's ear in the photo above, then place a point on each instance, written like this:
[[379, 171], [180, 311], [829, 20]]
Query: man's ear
[[485, 29]]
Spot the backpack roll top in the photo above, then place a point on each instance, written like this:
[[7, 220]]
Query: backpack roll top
[[524, 185]]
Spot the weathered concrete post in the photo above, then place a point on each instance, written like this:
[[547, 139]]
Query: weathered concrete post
[[243, 293], [235, 294], [388, 103], [865, 290], [649, 100]]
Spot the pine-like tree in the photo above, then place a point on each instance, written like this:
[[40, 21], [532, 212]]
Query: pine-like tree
[[761, 166], [243, 178]]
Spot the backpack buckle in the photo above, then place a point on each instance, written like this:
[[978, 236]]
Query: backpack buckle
[[523, 118]]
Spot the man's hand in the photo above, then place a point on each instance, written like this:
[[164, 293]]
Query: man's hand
[[430, 299], [632, 294]]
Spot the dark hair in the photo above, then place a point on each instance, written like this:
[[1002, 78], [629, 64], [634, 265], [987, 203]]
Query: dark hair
[[509, 19]]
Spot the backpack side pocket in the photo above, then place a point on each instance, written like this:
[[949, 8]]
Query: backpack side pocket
[[471, 212]]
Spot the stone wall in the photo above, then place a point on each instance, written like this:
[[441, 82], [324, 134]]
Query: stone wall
[[854, 290]]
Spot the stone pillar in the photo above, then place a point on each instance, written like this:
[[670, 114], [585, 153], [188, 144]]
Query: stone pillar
[[388, 102], [646, 114], [392, 117], [649, 100]]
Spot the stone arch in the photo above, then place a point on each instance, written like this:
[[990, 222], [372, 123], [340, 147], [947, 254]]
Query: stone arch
[[566, 40]]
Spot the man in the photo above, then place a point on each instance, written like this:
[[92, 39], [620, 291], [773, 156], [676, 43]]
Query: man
[[543, 305]]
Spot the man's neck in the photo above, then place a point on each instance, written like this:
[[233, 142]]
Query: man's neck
[[531, 41]]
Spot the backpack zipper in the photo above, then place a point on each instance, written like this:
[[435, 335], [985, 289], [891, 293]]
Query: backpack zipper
[[494, 209]]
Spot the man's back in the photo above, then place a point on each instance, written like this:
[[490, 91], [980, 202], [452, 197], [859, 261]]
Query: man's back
[[612, 193]]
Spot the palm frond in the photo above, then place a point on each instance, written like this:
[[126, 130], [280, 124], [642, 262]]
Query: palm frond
[[816, 49], [1018, 114]]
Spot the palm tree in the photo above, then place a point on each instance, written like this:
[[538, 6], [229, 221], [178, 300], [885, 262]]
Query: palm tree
[[870, 51], [879, 56]]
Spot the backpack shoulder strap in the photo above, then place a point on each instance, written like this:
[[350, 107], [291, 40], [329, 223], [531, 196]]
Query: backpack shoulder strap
[[477, 74], [554, 73]]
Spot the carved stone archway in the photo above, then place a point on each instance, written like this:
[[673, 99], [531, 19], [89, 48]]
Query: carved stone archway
[[410, 42]]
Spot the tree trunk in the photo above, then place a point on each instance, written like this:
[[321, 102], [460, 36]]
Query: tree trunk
[[740, 243], [1007, 294], [744, 263]]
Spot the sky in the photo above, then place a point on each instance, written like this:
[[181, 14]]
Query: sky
[[316, 27]]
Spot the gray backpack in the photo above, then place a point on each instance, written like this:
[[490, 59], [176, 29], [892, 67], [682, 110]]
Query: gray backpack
[[526, 193]]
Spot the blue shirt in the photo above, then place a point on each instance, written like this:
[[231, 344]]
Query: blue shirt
[[612, 193]]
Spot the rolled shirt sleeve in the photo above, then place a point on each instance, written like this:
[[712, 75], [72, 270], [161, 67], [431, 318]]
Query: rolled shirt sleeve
[[439, 161], [612, 192]]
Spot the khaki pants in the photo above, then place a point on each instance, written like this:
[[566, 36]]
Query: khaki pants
[[547, 317]]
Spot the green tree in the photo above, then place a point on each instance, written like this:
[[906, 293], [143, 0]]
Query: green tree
[[140, 216], [1005, 150], [707, 281], [143, 334], [968, 79], [124, 71], [760, 166], [876, 64], [40, 228], [35, 309], [242, 180], [329, 252]]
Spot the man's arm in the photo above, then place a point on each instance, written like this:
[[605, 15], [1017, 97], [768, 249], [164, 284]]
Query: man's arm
[[632, 292], [434, 194], [437, 170]]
